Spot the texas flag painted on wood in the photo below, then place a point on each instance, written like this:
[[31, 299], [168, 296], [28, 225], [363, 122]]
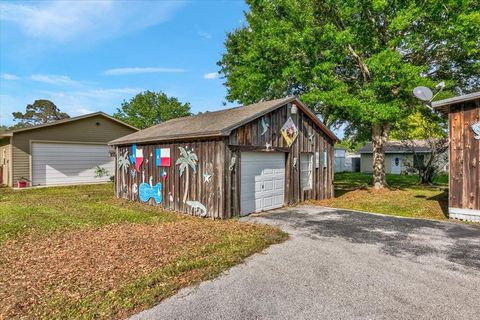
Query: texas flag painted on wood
[[162, 157], [136, 158]]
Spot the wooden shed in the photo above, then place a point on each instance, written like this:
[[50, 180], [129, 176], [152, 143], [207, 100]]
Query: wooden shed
[[230, 162], [464, 158]]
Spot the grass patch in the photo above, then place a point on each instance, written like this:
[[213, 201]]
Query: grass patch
[[50, 209], [83, 254], [403, 198]]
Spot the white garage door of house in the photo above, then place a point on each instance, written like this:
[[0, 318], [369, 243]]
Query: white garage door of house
[[262, 184], [69, 163]]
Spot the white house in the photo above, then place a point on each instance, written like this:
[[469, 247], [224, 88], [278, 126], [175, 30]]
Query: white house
[[399, 158]]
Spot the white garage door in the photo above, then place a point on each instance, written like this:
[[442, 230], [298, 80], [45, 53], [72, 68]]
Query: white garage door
[[69, 163], [262, 184]]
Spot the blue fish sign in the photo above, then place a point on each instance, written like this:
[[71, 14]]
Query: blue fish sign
[[147, 191]]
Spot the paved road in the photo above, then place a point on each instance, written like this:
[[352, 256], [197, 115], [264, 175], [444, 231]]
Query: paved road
[[344, 265]]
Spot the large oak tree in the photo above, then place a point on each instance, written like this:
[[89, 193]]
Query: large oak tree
[[39, 112], [354, 61], [149, 108]]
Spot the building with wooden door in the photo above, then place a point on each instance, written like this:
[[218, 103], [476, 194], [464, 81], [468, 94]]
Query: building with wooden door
[[464, 158], [230, 162]]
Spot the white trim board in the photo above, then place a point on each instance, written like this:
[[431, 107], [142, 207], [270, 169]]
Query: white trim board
[[464, 214]]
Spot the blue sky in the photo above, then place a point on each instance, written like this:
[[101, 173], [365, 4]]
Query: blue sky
[[90, 56]]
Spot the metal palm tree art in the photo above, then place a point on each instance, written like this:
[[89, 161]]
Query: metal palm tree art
[[187, 160], [123, 164]]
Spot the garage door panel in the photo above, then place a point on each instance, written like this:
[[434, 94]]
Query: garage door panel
[[64, 163], [268, 185], [267, 202], [262, 181], [279, 184]]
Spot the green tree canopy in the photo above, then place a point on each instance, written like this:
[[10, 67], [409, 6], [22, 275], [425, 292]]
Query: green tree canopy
[[420, 125], [40, 112], [354, 61], [150, 108]]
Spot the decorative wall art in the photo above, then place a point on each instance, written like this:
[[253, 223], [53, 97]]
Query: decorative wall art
[[123, 164], [233, 160], [268, 146], [206, 177], [187, 160], [134, 188], [136, 158], [289, 131], [310, 137], [476, 129], [133, 173], [162, 157], [294, 162], [148, 191], [170, 196], [132, 156], [265, 126], [198, 208], [164, 175]]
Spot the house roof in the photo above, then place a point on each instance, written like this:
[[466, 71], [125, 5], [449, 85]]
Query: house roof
[[398, 147], [444, 105], [213, 124], [67, 120]]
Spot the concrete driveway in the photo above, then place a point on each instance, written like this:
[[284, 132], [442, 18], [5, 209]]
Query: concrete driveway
[[344, 265]]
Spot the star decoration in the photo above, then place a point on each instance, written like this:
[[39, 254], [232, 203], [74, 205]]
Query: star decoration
[[206, 177]]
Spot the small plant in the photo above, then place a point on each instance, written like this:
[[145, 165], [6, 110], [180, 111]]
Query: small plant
[[101, 172]]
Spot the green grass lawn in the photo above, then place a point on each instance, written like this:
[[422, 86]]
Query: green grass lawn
[[404, 197], [76, 252]]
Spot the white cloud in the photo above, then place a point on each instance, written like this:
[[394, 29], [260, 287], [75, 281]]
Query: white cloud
[[140, 70], [204, 34], [82, 111], [73, 102], [53, 79], [9, 76], [211, 75], [63, 21], [90, 100]]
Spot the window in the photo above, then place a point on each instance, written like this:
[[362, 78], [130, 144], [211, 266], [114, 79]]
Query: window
[[306, 171]]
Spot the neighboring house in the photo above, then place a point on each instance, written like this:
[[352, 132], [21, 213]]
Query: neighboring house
[[464, 164], [62, 152], [346, 161], [230, 162], [398, 158]]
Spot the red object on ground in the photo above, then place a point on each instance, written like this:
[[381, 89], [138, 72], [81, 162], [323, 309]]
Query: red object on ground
[[22, 184]]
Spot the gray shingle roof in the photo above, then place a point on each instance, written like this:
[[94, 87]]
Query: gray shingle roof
[[210, 124], [397, 147]]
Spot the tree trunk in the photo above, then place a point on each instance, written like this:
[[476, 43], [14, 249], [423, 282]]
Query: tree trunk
[[124, 183], [427, 172], [379, 137], [186, 186]]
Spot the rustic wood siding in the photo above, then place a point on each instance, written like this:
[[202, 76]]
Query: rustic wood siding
[[82, 130], [211, 156], [464, 180], [248, 138]]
